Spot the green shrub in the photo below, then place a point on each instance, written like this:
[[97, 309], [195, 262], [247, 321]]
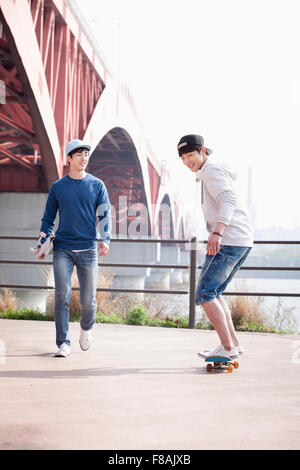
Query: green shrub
[[137, 315], [181, 321], [155, 322], [25, 314], [102, 318]]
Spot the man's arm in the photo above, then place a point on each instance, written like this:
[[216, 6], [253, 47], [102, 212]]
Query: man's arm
[[220, 187], [48, 220], [215, 238], [104, 217]]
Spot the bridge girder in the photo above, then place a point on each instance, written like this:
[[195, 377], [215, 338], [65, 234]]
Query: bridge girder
[[52, 86], [57, 88]]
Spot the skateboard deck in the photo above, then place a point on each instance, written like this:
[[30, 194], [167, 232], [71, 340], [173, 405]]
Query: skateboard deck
[[41, 248], [221, 362]]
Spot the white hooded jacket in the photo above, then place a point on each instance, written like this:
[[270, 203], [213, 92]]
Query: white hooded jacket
[[220, 203]]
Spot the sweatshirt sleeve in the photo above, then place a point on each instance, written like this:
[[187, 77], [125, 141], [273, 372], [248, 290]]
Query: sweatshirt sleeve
[[48, 220], [104, 214], [220, 187]]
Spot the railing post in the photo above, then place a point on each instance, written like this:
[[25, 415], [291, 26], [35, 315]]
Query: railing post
[[193, 258]]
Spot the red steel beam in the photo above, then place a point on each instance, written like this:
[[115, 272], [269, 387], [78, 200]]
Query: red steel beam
[[73, 83], [27, 59], [18, 160], [14, 125], [55, 83]]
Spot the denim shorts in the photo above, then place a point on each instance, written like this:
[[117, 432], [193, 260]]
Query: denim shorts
[[218, 270]]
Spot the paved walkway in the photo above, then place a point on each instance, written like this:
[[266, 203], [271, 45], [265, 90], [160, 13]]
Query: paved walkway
[[145, 388]]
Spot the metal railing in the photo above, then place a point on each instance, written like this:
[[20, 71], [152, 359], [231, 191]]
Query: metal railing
[[192, 267]]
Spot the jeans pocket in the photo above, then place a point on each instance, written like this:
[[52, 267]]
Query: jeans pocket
[[90, 255], [92, 251], [230, 261]]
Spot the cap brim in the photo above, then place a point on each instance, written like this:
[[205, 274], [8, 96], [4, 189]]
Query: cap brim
[[184, 147], [85, 146]]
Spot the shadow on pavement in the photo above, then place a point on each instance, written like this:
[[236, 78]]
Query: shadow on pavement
[[97, 372]]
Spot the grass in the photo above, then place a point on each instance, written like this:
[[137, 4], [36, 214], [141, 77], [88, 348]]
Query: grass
[[247, 312], [25, 314], [136, 316]]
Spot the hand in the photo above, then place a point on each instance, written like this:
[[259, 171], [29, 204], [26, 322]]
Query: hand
[[103, 248], [213, 244], [43, 256]]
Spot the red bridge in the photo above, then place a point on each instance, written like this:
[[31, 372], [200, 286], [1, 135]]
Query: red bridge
[[55, 86]]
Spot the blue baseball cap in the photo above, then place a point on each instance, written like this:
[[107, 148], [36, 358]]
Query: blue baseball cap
[[76, 144]]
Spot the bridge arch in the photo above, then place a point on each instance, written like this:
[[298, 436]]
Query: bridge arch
[[115, 119], [164, 222], [181, 231], [115, 160]]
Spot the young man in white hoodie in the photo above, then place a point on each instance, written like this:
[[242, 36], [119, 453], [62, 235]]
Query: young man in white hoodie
[[229, 242]]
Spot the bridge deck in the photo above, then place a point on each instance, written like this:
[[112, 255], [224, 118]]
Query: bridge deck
[[145, 388]]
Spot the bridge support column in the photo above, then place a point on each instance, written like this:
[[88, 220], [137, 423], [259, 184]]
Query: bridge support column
[[185, 259], [158, 279], [131, 253], [22, 213], [171, 255], [164, 278]]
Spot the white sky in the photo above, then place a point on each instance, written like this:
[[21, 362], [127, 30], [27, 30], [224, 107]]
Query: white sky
[[226, 69]]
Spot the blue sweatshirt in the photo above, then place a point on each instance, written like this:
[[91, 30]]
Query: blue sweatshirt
[[77, 201]]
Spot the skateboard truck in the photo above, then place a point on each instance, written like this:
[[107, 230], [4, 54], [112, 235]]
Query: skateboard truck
[[221, 362]]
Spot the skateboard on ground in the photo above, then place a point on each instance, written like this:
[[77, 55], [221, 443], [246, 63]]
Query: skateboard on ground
[[220, 362]]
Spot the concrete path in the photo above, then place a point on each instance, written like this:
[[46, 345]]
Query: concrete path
[[145, 388]]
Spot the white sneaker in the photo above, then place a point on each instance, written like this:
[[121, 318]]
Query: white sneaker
[[63, 351], [239, 348], [85, 339], [207, 352], [204, 354], [220, 351]]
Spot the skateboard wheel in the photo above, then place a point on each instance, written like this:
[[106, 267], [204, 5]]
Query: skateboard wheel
[[236, 364], [229, 368], [209, 367]]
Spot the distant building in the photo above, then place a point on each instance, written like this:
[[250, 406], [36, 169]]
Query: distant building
[[250, 203]]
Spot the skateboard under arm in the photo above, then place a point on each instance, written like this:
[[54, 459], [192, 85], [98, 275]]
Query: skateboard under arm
[[42, 244]]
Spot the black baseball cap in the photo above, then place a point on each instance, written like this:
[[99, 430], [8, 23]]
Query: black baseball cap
[[191, 140]]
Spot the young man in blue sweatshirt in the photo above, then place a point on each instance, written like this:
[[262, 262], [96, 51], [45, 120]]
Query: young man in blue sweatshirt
[[82, 201]]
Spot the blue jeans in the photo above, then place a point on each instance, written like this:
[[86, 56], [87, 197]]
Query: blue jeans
[[218, 270], [86, 263]]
